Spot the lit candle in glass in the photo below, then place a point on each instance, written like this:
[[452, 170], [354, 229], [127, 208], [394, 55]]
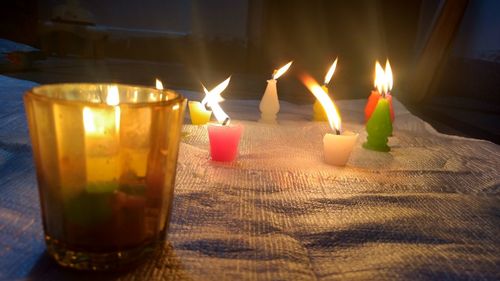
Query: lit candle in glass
[[106, 159], [319, 113], [224, 137], [376, 94], [337, 146], [269, 105]]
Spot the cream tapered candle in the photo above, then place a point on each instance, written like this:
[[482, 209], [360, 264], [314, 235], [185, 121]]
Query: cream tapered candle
[[269, 105]]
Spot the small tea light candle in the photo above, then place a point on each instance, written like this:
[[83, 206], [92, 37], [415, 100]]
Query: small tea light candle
[[224, 137], [199, 115], [338, 146], [269, 105], [319, 113]]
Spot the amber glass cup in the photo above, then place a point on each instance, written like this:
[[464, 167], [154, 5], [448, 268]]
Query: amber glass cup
[[106, 158]]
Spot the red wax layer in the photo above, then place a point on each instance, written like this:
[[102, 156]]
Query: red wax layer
[[224, 141], [372, 103]]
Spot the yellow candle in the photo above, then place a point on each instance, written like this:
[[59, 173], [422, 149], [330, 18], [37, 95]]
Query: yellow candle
[[199, 115], [319, 113], [102, 142], [134, 142]]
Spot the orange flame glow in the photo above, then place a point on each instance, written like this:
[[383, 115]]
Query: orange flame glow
[[331, 110], [277, 74]]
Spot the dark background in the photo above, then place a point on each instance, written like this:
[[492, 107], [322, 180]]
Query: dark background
[[185, 42]]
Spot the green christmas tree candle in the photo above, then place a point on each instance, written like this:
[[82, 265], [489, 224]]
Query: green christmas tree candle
[[379, 127]]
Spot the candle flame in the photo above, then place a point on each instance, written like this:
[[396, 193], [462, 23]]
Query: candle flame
[[159, 84], [113, 97], [330, 72], [88, 121], [327, 103], [383, 78], [99, 122], [213, 97], [388, 75], [277, 74]]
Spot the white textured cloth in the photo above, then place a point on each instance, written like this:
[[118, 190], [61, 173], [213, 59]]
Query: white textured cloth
[[427, 210]]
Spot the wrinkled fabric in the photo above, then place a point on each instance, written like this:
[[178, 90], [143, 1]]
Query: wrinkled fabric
[[427, 210]]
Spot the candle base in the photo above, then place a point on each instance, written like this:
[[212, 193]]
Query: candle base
[[268, 119], [66, 256], [381, 147]]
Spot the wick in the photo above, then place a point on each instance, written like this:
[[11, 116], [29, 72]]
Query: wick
[[383, 95], [206, 107], [225, 121], [274, 73], [337, 131]]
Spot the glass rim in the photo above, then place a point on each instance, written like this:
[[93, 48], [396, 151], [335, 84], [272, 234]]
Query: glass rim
[[33, 93]]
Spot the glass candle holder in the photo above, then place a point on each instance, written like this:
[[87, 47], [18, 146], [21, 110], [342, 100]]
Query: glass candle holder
[[106, 158]]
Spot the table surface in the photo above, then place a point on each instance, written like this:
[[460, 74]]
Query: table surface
[[429, 209]]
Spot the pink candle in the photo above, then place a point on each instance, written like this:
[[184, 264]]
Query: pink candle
[[224, 140]]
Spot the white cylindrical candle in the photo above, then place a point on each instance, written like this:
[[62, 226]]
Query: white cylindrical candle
[[338, 148], [269, 105]]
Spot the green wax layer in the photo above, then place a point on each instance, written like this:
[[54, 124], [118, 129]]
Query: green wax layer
[[89, 208], [379, 127], [98, 202]]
